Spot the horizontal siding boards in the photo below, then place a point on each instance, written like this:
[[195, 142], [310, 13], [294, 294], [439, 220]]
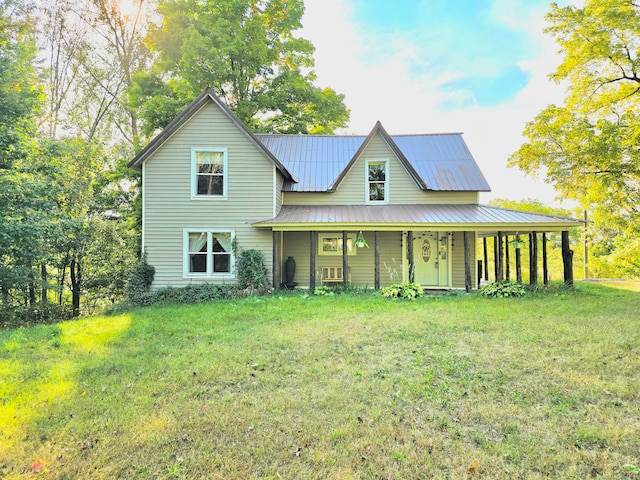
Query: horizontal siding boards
[[457, 260], [168, 205], [361, 265], [421, 197]]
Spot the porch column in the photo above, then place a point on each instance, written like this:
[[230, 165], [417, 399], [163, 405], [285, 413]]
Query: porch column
[[486, 259], [496, 259], [410, 257], [567, 259], [277, 259], [507, 260], [500, 276], [533, 258], [345, 259], [545, 264], [518, 260], [468, 285], [313, 244], [376, 261]]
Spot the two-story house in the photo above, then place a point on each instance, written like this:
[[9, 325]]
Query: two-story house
[[370, 210]]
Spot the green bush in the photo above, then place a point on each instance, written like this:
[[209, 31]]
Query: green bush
[[409, 291], [15, 316], [253, 276], [140, 281], [502, 289]]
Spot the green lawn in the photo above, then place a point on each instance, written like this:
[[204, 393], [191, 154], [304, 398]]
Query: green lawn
[[341, 387]]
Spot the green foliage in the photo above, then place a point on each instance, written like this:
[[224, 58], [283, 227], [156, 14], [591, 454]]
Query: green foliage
[[252, 274], [410, 291], [246, 51], [21, 316], [323, 290], [502, 289], [587, 147], [140, 281]]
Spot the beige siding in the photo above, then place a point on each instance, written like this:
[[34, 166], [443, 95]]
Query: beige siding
[[167, 188], [402, 188], [457, 267], [361, 265]]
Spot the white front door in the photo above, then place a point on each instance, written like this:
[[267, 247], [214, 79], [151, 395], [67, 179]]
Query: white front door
[[431, 259]]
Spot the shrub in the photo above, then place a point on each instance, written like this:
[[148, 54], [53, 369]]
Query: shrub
[[502, 289], [140, 281], [253, 277], [409, 291], [29, 315]]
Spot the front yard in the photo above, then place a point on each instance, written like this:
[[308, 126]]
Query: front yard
[[338, 387]]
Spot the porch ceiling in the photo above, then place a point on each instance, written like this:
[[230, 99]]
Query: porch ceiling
[[449, 217]]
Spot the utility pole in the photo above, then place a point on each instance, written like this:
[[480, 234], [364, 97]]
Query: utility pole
[[586, 248]]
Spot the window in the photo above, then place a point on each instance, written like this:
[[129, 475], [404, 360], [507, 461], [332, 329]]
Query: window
[[377, 181], [208, 253], [332, 244], [209, 173]]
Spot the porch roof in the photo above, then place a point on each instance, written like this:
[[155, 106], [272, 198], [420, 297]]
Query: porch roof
[[450, 217]]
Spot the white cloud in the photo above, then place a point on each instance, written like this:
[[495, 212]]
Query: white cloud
[[383, 87]]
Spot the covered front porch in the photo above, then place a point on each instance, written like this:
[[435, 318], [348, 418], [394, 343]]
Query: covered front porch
[[432, 245]]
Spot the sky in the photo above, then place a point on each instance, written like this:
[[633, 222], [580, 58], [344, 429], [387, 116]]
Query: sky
[[480, 67]]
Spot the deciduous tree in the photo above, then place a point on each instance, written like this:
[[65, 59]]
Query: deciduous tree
[[588, 148], [246, 50]]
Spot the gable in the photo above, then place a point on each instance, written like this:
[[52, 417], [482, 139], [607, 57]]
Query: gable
[[401, 186], [205, 98]]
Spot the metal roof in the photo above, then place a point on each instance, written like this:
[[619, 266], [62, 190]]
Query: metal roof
[[442, 161], [379, 217]]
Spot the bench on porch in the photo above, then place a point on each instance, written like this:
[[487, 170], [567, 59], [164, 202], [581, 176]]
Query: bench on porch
[[333, 275]]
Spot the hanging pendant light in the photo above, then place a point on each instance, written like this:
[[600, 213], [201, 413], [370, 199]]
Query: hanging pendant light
[[360, 241]]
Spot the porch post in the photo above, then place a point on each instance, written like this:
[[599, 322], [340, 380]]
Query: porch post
[[410, 256], [507, 260], [496, 259], [376, 261], [500, 258], [533, 258], [518, 260], [567, 259], [313, 243], [467, 262], [545, 266], [345, 259], [486, 259], [277, 259]]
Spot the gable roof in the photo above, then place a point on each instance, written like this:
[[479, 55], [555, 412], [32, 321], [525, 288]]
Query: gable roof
[[437, 162], [202, 99]]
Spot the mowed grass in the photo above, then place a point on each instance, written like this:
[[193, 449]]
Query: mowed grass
[[303, 387]]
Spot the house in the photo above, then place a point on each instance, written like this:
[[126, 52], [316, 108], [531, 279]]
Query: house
[[209, 184]]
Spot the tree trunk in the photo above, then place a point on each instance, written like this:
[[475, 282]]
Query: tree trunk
[[43, 277], [567, 259], [410, 259], [76, 280]]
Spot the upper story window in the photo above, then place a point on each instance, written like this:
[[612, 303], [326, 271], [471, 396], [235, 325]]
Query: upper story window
[[209, 173], [377, 181], [208, 253]]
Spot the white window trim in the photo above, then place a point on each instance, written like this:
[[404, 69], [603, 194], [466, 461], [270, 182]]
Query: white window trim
[[351, 249], [386, 181], [194, 173], [209, 273]]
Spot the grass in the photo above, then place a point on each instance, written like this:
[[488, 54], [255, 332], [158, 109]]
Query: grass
[[331, 388]]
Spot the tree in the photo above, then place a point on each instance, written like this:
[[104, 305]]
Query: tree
[[247, 52], [588, 147]]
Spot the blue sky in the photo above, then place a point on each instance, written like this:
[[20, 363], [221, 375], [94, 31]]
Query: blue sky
[[427, 66]]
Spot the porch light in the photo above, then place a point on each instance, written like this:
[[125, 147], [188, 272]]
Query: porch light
[[360, 241]]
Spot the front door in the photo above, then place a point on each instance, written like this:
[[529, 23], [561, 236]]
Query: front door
[[431, 259]]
